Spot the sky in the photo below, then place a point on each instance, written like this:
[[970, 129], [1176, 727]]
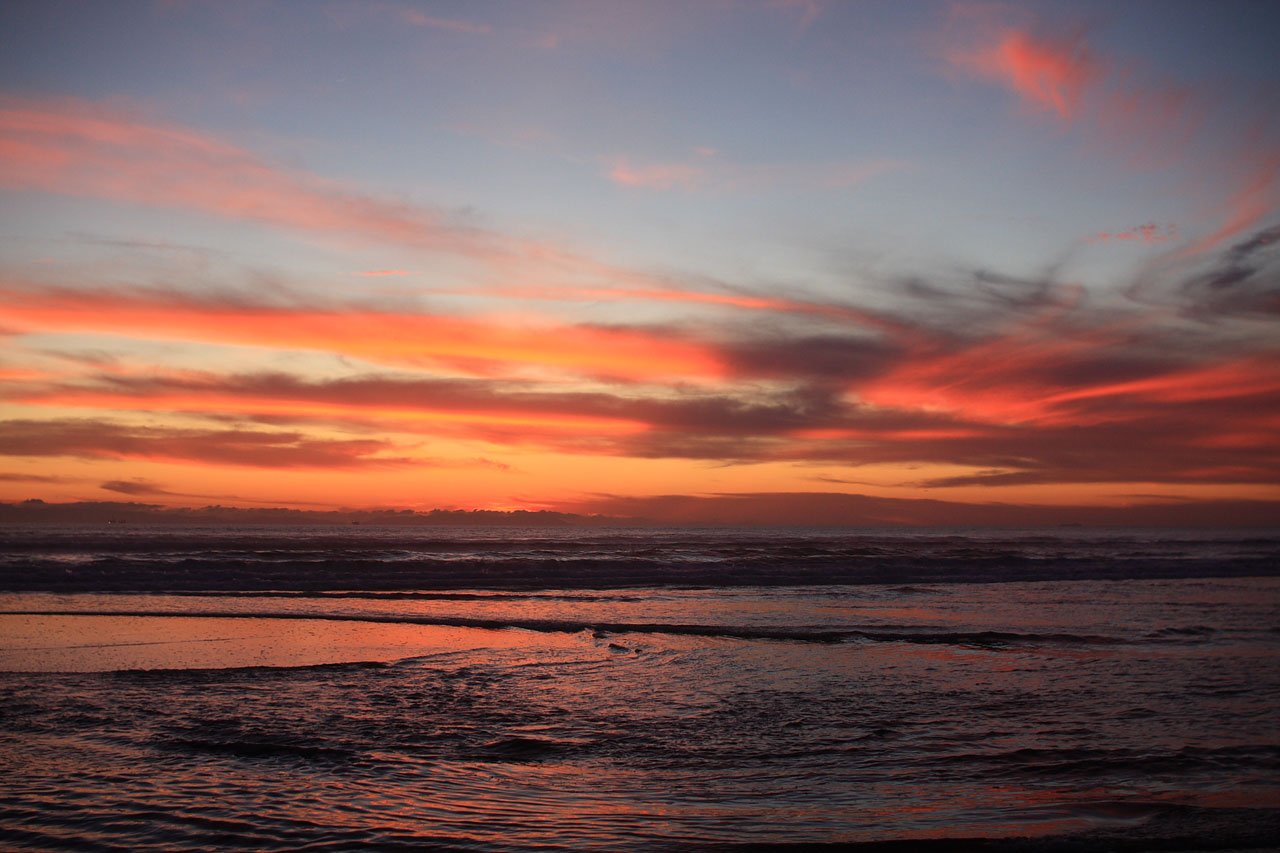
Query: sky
[[643, 258]]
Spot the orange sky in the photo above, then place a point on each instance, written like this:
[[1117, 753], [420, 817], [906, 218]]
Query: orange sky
[[206, 304]]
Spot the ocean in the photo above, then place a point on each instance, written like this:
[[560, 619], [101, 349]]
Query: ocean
[[493, 689]]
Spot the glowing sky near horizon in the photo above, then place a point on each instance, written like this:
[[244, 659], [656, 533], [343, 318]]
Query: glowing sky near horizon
[[583, 255]]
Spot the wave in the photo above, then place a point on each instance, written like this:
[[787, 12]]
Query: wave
[[1123, 826], [1085, 763], [225, 572], [602, 629], [258, 748], [311, 559]]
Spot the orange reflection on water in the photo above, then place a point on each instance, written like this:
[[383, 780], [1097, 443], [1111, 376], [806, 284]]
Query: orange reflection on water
[[90, 643]]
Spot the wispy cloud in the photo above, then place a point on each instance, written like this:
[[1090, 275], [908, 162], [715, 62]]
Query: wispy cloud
[[415, 17], [350, 14], [660, 176], [30, 478], [1150, 234], [76, 147], [139, 487], [1241, 282], [711, 171], [1256, 195], [467, 345], [1048, 73], [254, 448]]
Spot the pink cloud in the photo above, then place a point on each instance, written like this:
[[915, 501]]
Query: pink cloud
[[715, 173], [469, 345], [662, 176], [418, 19], [1147, 123], [75, 147], [1047, 74], [1151, 234], [382, 273]]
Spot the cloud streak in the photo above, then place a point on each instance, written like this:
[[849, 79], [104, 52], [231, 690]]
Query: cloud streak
[[93, 438], [713, 173], [74, 147], [467, 345]]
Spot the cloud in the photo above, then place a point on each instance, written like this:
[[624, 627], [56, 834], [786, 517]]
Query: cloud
[[710, 171], [817, 358], [1254, 198], [477, 346], [137, 487], [1047, 73], [1037, 403], [98, 439], [30, 478], [345, 15], [772, 305], [1015, 381], [661, 176], [382, 273], [446, 405], [1244, 281], [1150, 234], [415, 17], [1146, 122], [76, 147]]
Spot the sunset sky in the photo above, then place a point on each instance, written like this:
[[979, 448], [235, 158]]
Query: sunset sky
[[629, 257]]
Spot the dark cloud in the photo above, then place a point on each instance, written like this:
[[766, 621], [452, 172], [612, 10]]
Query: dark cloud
[[1020, 293], [31, 478], [1245, 280], [752, 412], [1210, 432], [96, 439], [814, 358], [1107, 366], [136, 487], [1019, 379]]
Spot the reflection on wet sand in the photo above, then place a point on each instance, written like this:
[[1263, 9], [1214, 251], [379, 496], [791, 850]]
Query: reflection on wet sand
[[92, 643], [1138, 711]]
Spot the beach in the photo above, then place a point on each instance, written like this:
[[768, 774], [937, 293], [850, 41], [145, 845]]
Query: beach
[[1127, 709]]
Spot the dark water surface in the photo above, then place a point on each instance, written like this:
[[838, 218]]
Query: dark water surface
[[489, 689]]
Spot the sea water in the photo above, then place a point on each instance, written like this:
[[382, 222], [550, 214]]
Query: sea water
[[591, 689]]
